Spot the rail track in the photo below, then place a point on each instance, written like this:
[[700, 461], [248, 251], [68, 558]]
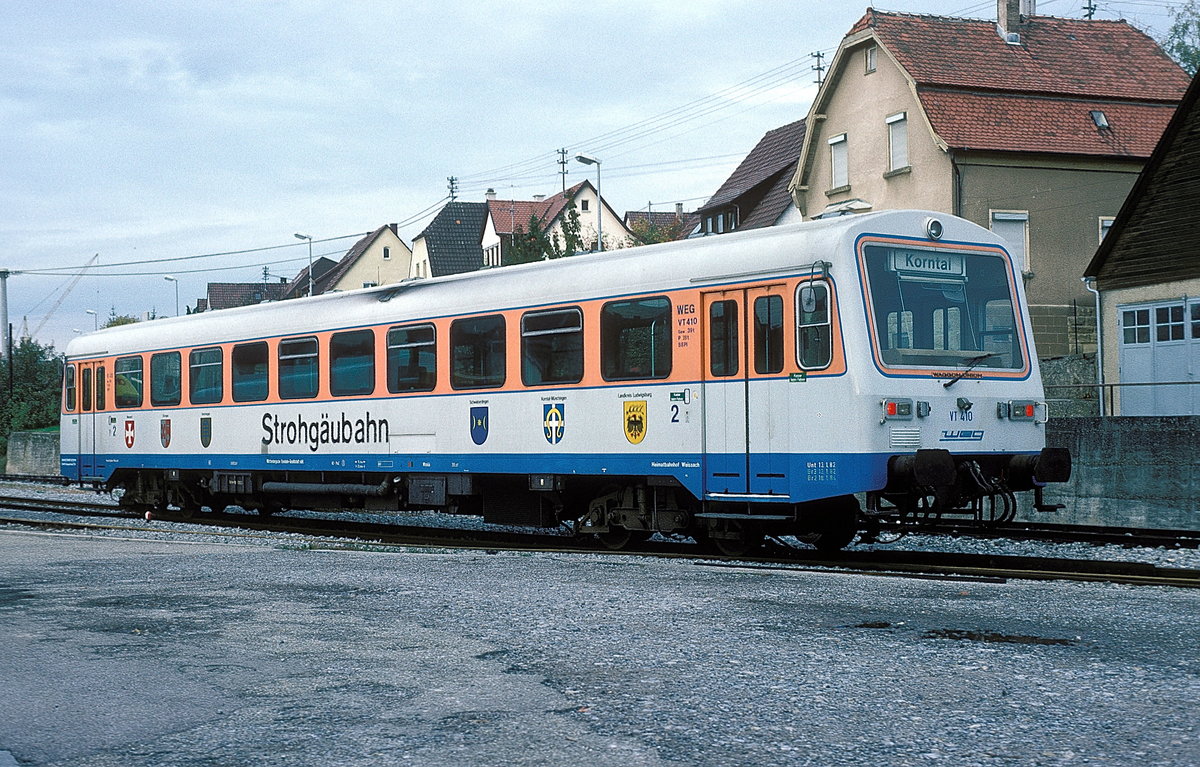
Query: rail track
[[335, 533]]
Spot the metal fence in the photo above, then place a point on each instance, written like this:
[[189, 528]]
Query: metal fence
[[1076, 400]]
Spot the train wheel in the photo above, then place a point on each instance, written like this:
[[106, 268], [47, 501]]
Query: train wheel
[[618, 538], [837, 526], [732, 538]]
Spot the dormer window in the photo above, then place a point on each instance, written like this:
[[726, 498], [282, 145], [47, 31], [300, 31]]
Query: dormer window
[[871, 55], [1100, 119]]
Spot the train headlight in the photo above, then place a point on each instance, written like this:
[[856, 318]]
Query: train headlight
[[1021, 410], [934, 228], [897, 409]]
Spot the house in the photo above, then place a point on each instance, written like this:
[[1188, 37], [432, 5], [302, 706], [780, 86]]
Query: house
[[1147, 274], [227, 295], [450, 244], [1033, 126], [506, 217], [661, 225], [379, 258], [756, 193]]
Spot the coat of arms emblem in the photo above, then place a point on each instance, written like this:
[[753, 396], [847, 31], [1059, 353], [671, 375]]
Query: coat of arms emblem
[[635, 420]]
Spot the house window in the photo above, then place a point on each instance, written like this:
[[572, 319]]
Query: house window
[[1013, 226], [839, 162], [1168, 323], [1195, 310], [370, 284], [897, 141], [583, 205], [872, 55], [387, 253], [1106, 223], [1135, 326]]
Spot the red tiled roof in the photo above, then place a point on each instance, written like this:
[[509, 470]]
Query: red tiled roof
[[508, 215], [1006, 122], [1080, 57], [981, 92]]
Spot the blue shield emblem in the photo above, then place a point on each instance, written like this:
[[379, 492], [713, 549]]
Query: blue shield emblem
[[205, 430], [554, 422], [479, 425]]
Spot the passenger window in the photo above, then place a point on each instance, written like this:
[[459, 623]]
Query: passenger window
[[69, 388], [85, 395], [298, 368], [100, 396], [352, 363], [412, 358], [814, 328], [768, 334], [552, 347], [249, 366], [127, 380], [477, 352], [723, 338], [205, 379], [165, 379], [635, 339]]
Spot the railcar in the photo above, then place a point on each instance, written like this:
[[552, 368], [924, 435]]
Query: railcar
[[727, 388]]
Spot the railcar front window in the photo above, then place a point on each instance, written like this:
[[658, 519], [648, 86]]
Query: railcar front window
[[935, 308], [552, 347], [352, 363], [635, 339], [814, 345], [127, 380], [477, 352], [164, 379], [249, 372], [204, 376], [412, 358], [298, 366]]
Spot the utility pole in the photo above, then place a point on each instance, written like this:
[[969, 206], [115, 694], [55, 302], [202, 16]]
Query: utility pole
[[562, 161], [453, 187], [6, 347], [1089, 9], [819, 67]]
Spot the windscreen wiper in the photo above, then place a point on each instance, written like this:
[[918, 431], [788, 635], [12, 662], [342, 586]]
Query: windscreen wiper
[[971, 363]]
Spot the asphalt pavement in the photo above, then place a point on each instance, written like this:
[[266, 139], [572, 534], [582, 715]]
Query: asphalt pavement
[[151, 652]]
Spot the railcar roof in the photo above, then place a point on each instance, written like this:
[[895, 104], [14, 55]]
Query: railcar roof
[[597, 275]]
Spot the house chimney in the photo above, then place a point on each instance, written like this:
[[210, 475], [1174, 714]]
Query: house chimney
[[539, 197], [490, 194], [1010, 15], [679, 210]]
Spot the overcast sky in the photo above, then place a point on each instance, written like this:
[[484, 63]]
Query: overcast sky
[[154, 129]]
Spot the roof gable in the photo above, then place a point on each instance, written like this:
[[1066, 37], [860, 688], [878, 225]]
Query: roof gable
[[1152, 238], [453, 238], [776, 152], [356, 252]]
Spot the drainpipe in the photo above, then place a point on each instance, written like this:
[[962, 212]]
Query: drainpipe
[[1090, 284]]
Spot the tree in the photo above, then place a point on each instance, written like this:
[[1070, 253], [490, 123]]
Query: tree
[[536, 243], [31, 402], [647, 232], [1182, 42], [114, 319]]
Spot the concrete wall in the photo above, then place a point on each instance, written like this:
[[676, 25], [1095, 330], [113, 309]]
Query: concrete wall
[[33, 452], [1128, 472]]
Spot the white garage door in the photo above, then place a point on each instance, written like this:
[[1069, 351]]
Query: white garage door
[[1160, 344]]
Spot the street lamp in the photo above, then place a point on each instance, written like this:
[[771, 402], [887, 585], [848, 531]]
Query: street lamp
[[589, 160], [169, 278], [310, 279], [95, 318]]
